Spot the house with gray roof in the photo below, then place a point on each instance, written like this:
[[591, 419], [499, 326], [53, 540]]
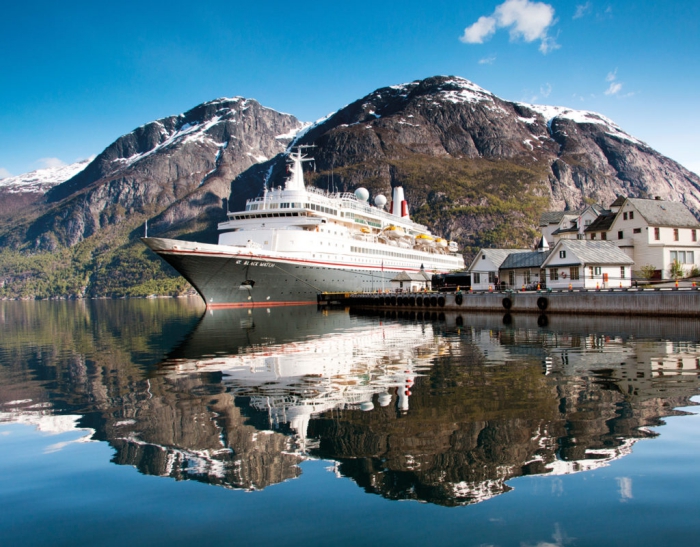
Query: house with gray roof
[[556, 225], [411, 281], [652, 232], [520, 270], [587, 264], [484, 267]]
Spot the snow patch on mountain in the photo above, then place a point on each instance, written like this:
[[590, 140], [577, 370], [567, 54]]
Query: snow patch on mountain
[[550, 113], [39, 181]]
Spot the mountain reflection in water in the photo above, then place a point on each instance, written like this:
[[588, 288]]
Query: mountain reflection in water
[[443, 410]]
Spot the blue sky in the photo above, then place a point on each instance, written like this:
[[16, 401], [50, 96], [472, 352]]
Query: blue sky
[[74, 76]]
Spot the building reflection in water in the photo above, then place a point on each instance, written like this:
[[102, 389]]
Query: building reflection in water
[[444, 409]]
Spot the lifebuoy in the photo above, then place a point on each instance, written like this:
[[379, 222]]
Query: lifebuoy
[[507, 303], [458, 298], [563, 275], [542, 303]]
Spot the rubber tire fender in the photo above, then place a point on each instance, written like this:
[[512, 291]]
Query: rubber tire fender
[[507, 303], [542, 303]]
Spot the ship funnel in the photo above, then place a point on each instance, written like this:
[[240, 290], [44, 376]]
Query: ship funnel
[[399, 206]]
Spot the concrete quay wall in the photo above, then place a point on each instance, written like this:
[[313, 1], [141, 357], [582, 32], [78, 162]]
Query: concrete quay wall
[[632, 302]]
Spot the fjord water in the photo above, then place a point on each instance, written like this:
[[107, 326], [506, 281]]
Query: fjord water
[[153, 422]]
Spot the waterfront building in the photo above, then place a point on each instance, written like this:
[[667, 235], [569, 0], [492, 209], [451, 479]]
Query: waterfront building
[[524, 270], [484, 268], [555, 225], [411, 281], [586, 264], [651, 232]]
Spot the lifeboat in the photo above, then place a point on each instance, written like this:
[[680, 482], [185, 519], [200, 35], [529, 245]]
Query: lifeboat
[[424, 238], [452, 246], [441, 242], [394, 231], [365, 230]]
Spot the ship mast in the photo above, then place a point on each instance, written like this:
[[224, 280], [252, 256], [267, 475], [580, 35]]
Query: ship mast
[[296, 172]]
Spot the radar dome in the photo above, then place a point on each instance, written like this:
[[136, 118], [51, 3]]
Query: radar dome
[[362, 194], [380, 201]]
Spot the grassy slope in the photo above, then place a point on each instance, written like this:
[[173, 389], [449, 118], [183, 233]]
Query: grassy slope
[[477, 202]]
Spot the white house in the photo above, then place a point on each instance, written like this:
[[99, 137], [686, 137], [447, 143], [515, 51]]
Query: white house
[[484, 268], [411, 281], [524, 269], [651, 232], [556, 225], [586, 264]]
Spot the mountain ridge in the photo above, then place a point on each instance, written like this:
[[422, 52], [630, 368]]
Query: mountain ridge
[[477, 169]]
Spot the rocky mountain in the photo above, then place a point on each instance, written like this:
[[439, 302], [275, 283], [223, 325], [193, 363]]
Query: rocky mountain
[[476, 168], [179, 167], [480, 169], [21, 190]]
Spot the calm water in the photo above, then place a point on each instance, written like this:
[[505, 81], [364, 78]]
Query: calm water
[[152, 422]]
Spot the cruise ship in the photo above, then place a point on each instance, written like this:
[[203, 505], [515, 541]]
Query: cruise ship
[[293, 243]]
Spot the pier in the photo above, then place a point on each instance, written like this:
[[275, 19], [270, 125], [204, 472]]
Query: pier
[[655, 302]]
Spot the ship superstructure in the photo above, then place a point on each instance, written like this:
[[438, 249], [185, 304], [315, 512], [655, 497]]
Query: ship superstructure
[[291, 243]]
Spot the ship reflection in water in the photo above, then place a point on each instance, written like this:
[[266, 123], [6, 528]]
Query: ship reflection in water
[[444, 410]]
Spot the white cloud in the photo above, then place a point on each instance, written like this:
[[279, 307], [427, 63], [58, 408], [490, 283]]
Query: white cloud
[[4, 173], [483, 28], [526, 20], [614, 88], [581, 10], [50, 162], [488, 60], [546, 89]]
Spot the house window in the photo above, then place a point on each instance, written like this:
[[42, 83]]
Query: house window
[[622, 272], [553, 274], [620, 235], [492, 277], [657, 234], [593, 235], [631, 215], [511, 278], [483, 257], [604, 235], [562, 254], [595, 270], [527, 277], [675, 234], [693, 235], [683, 257], [477, 278], [573, 273], [637, 231], [624, 216]]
